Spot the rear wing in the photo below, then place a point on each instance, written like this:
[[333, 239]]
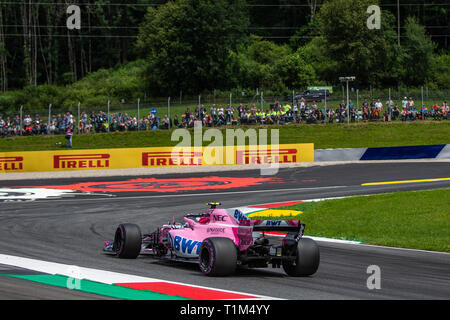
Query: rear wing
[[276, 225], [275, 220], [272, 214], [267, 219]]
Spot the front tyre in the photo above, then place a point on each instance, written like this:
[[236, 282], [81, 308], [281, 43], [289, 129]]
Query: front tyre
[[307, 259], [217, 257], [127, 241]]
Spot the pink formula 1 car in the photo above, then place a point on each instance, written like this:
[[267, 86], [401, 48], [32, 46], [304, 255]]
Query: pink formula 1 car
[[221, 239]]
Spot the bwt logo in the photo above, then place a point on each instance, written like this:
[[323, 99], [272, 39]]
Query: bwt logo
[[239, 216], [157, 159], [80, 161], [11, 163], [273, 223], [186, 245], [266, 156]]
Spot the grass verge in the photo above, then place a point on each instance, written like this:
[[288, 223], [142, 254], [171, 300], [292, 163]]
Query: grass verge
[[357, 135], [415, 219]]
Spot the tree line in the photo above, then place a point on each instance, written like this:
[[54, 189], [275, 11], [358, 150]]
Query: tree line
[[197, 45]]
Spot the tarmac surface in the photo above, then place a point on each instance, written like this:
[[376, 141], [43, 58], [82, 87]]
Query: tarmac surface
[[71, 229]]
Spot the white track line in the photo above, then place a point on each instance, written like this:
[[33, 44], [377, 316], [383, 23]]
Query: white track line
[[405, 249], [322, 239]]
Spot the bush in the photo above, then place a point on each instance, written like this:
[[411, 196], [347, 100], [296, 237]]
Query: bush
[[441, 71]]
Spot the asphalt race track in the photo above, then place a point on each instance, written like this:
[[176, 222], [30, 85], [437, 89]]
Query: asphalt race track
[[71, 230]]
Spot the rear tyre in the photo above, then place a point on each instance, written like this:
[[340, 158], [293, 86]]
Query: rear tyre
[[307, 259], [127, 241], [217, 257]]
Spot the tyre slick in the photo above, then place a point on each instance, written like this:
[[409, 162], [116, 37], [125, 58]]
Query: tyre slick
[[217, 257], [127, 241]]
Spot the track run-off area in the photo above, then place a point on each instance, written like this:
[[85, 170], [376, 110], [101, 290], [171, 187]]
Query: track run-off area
[[58, 227]]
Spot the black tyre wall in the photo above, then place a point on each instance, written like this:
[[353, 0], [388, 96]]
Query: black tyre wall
[[128, 241], [218, 256], [307, 259]]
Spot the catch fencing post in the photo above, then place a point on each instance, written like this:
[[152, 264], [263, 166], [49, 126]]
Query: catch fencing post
[[326, 116], [139, 115], [168, 108], [49, 117], [21, 124], [347, 80], [348, 108], [357, 101], [108, 115], [422, 97], [262, 101], [230, 98], [421, 108], [390, 107], [78, 122]]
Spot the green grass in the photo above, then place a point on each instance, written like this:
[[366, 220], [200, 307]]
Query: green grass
[[357, 135], [416, 219]]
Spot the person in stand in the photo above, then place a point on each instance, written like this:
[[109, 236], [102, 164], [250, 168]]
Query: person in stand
[[166, 122], [405, 114], [17, 126], [395, 113], [69, 134]]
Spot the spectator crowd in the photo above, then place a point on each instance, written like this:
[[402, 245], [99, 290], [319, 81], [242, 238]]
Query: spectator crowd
[[219, 115]]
